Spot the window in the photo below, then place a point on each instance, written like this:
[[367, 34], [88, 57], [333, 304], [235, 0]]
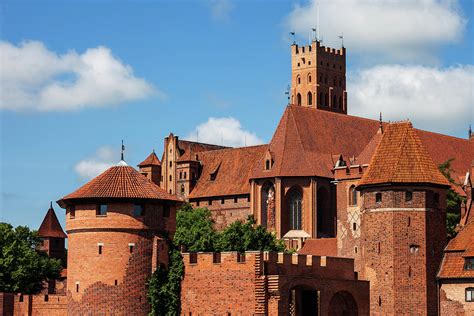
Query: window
[[216, 257], [240, 257], [409, 221], [171, 164], [267, 164], [181, 175], [235, 200], [100, 248], [295, 209], [182, 188], [354, 226], [309, 78], [184, 177], [116, 282], [197, 203], [77, 287], [378, 197], [470, 294], [171, 178], [131, 246], [408, 196], [72, 211], [298, 99], [101, 210], [310, 98], [352, 195], [469, 263], [436, 198], [222, 201], [334, 104], [46, 298], [166, 211], [210, 202], [138, 210], [298, 80]]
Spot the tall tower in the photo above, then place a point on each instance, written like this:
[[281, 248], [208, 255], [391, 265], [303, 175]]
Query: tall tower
[[117, 226], [318, 77], [403, 231]]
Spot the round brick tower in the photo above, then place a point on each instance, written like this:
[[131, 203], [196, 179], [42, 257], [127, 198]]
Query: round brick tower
[[116, 225]]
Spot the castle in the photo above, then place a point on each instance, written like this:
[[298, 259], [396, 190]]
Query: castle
[[362, 201]]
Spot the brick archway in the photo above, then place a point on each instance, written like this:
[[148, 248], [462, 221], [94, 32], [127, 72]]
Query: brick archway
[[343, 304]]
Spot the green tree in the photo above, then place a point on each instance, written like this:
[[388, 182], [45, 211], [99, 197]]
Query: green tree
[[194, 229], [453, 201], [242, 236], [22, 267]]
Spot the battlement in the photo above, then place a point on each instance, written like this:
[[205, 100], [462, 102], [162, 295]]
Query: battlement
[[275, 263], [317, 48]]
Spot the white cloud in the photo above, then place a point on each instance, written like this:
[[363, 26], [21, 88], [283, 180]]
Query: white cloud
[[225, 131], [221, 9], [89, 168], [35, 78], [438, 99], [398, 29]]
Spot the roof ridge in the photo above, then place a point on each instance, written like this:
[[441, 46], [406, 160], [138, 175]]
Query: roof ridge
[[301, 144]]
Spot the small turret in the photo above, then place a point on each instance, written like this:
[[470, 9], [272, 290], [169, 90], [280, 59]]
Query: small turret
[[151, 168], [52, 235]]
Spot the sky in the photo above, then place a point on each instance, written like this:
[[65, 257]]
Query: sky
[[77, 77]]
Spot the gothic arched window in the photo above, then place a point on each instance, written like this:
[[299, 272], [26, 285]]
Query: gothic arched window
[[295, 202], [298, 99], [310, 98], [352, 195]]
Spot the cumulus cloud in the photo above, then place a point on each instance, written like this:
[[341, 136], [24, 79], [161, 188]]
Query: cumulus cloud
[[397, 29], [439, 99], [221, 9], [225, 131], [36, 78], [89, 168]]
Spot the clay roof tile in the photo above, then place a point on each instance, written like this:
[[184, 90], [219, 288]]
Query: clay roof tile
[[50, 227]]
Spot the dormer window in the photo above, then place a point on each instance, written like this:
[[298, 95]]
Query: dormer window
[[268, 164], [469, 263]]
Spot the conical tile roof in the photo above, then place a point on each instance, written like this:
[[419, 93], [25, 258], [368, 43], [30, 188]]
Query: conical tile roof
[[50, 227], [121, 181], [400, 157], [151, 160]]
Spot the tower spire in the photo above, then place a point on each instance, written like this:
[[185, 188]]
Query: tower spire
[[121, 154]]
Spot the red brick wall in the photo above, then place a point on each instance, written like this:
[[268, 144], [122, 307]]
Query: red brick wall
[[402, 245]]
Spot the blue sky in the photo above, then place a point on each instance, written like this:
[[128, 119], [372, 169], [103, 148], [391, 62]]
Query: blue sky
[[77, 77]]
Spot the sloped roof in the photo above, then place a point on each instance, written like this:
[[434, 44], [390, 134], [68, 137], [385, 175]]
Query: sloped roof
[[189, 149], [306, 139], [50, 227], [320, 247], [458, 248], [232, 168], [121, 181], [151, 160], [401, 157]]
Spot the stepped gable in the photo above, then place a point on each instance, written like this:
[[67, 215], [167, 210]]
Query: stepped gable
[[50, 227], [151, 160], [401, 157], [306, 139], [120, 181], [189, 149], [458, 248], [230, 168]]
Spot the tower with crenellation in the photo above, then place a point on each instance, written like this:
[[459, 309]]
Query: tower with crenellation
[[318, 77]]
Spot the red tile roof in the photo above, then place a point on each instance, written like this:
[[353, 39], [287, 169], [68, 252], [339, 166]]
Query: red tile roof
[[306, 139], [50, 227], [401, 157], [320, 247], [460, 247], [232, 168], [189, 149], [121, 181], [151, 160]]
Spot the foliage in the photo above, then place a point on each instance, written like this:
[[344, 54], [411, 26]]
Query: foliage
[[240, 236], [22, 267], [453, 201], [164, 286], [195, 231]]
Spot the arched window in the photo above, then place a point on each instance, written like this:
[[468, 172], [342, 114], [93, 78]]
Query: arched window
[[352, 195], [309, 78], [310, 98], [182, 188], [298, 99], [298, 80], [295, 202]]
